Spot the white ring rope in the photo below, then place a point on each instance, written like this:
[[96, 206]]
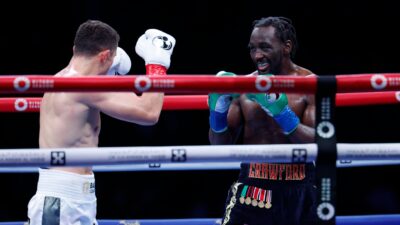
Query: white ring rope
[[194, 166], [283, 153]]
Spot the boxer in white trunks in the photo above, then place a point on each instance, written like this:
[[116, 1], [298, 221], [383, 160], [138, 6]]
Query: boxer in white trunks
[[66, 195]]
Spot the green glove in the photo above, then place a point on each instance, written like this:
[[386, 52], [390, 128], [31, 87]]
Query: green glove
[[218, 104], [272, 103], [276, 105]]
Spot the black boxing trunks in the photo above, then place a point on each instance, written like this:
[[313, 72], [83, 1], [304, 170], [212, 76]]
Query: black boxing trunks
[[272, 194]]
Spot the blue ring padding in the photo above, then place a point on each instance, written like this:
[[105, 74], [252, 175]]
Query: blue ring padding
[[390, 219]]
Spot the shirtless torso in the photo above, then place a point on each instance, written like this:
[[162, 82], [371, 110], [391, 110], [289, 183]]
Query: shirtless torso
[[259, 128], [66, 122], [249, 124]]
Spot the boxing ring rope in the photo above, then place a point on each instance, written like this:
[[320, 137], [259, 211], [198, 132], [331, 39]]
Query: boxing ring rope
[[391, 219], [195, 84], [282, 153], [199, 102], [193, 166]]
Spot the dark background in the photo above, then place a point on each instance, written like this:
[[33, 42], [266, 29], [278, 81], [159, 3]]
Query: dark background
[[335, 37]]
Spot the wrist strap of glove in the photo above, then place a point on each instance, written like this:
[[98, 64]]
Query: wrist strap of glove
[[218, 121], [287, 120], [155, 70]]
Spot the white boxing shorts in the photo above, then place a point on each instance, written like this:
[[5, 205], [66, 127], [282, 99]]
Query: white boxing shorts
[[63, 198]]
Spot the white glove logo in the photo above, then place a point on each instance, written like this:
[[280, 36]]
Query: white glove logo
[[272, 97], [155, 47], [162, 42]]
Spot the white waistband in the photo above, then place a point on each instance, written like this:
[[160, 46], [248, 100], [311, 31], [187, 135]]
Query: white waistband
[[68, 185]]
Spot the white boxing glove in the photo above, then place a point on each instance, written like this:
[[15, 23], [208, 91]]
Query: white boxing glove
[[121, 63], [156, 48]]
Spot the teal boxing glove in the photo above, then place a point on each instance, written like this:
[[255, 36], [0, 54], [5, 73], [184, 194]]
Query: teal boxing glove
[[276, 105], [218, 104]]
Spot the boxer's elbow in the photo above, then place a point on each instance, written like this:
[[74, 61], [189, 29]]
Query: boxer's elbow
[[151, 117]]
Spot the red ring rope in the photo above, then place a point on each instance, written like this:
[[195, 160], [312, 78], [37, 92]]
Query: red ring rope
[[198, 84], [199, 102]]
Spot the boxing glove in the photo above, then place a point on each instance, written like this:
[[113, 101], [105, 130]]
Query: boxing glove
[[276, 105], [121, 63], [155, 47], [218, 104]]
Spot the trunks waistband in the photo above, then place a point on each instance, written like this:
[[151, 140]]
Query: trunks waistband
[[68, 185]]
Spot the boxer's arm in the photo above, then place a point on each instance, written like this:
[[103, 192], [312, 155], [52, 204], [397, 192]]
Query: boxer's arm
[[305, 132], [155, 47], [218, 104], [235, 126], [143, 110]]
